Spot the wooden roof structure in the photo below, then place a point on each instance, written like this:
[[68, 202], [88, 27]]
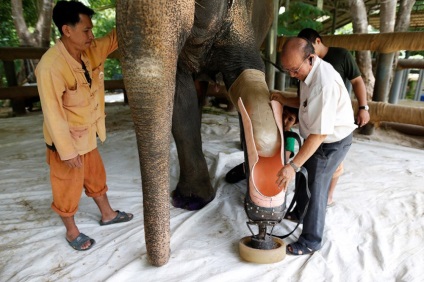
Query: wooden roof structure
[[340, 14]]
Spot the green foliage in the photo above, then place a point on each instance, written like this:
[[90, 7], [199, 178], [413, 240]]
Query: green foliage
[[31, 10], [299, 16], [104, 18], [414, 53], [8, 36], [113, 69], [104, 22], [347, 29], [101, 5]]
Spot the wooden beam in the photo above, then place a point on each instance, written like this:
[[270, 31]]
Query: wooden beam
[[114, 84], [31, 91], [15, 53], [380, 42], [385, 112], [14, 92]]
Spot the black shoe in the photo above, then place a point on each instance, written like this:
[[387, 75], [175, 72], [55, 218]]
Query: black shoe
[[236, 174]]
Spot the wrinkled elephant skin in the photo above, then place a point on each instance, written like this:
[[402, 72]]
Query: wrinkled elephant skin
[[163, 45]]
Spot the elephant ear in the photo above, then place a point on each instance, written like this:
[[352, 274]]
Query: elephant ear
[[261, 15]]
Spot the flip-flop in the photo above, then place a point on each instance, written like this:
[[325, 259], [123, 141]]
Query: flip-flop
[[120, 217], [331, 204], [298, 249], [78, 242]]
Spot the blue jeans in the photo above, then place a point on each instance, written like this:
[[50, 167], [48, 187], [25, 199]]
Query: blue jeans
[[321, 167]]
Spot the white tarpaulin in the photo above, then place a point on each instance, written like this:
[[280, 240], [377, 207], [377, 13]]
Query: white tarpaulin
[[374, 232]]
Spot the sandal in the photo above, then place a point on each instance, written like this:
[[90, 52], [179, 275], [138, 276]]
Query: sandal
[[120, 217], [78, 242], [298, 249]]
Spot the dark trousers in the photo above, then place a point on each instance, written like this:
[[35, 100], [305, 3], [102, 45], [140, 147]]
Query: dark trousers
[[320, 166]]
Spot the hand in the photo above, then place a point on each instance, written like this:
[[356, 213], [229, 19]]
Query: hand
[[277, 96], [75, 162], [363, 118], [285, 176]]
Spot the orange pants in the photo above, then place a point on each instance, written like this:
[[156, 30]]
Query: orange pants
[[339, 171], [68, 183]]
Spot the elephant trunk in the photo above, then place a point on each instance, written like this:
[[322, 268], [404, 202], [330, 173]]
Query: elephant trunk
[[151, 101], [152, 119], [149, 36]]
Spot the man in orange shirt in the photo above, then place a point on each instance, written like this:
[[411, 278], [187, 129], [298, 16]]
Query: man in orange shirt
[[71, 87]]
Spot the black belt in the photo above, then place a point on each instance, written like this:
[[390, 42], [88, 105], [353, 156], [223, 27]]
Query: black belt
[[51, 147]]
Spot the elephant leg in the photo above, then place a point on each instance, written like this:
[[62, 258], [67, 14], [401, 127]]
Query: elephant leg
[[194, 189]]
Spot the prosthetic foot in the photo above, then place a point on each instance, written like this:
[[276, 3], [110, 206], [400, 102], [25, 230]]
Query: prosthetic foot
[[265, 203]]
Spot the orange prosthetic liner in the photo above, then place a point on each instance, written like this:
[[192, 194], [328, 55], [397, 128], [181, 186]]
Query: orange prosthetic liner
[[263, 190], [262, 175]]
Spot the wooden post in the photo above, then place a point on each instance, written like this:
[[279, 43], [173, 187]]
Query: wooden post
[[271, 49], [18, 104], [382, 81]]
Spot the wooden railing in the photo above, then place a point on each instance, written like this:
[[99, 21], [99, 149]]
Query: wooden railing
[[30, 91], [18, 94]]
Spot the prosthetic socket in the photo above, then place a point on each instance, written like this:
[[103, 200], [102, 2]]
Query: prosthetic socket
[[251, 87]]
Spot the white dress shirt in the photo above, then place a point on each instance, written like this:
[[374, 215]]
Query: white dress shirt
[[325, 105]]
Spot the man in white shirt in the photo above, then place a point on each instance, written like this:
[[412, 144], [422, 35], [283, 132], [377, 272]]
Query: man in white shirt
[[326, 122]]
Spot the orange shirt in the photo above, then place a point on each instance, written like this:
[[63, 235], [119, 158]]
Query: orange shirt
[[73, 112]]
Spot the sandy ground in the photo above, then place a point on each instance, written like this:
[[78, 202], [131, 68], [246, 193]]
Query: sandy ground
[[375, 231]]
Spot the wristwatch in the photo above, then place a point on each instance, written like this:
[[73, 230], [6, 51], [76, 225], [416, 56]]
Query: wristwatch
[[366, 108], [295, 167]]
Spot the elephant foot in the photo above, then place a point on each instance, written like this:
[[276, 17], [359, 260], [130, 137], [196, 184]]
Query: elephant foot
[[190, 203]]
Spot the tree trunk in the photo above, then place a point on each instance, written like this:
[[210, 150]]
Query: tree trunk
[[39, 38], [44, 23], [403, 17], [41, 35], [384, 61], [363, 58], [403, 20], [25, 38]]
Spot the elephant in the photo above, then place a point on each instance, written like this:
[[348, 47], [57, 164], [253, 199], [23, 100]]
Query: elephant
[[163, 45]]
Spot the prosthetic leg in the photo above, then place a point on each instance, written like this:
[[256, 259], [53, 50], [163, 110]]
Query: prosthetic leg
[[265, 202], [263, 144]]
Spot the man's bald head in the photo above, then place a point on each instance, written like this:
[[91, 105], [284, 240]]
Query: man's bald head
[[295, 46], [294, 54]]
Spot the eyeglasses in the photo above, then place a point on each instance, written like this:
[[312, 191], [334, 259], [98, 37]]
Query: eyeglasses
[[296, 71]]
